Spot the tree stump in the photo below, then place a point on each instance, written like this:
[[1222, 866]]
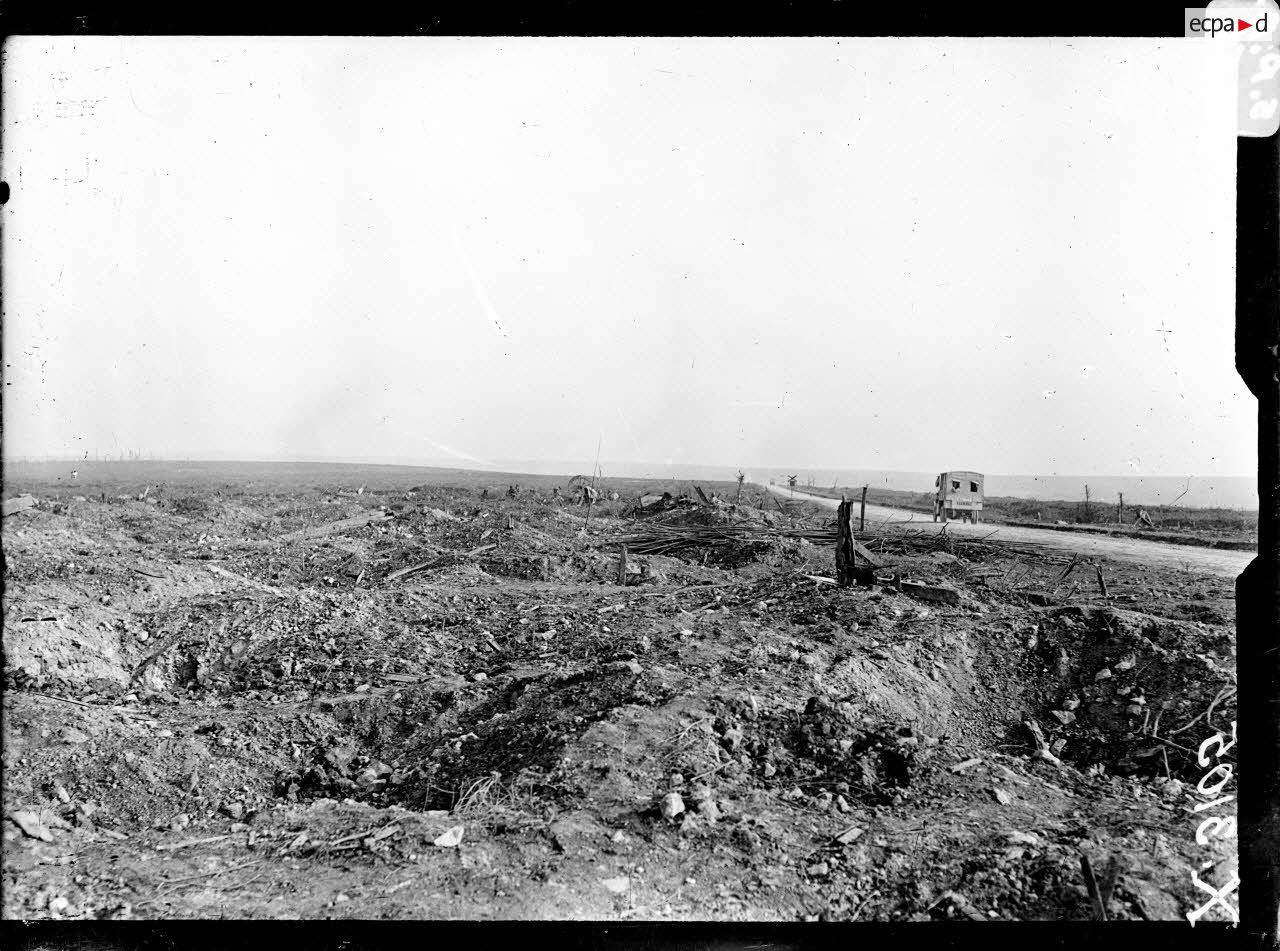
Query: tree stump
[[845, 566]]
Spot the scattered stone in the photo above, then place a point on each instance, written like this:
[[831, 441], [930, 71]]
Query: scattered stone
[[963, 906], [619, 885], [1001, 796], [849, 835], [965, 764], [21, 503], [1070, 704], [819, 869], [1063, 716], [1062, 664], [708, 809], [479, 676], [369, 778], [1103, 674], [450, 838], [843, 804], [29, 822], [672, 805], [1126, 662]]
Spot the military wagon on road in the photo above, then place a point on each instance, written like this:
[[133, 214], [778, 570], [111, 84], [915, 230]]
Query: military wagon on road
[[958, 492]]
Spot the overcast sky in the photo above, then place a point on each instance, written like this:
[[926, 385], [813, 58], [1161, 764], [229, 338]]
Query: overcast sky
[[1015, 255]]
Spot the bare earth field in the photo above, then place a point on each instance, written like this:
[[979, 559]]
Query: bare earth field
[[229, 699]]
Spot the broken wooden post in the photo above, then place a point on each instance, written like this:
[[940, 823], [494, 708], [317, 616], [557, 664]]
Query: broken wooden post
[[1095, 893], [862, 515], [1070, 567], [1102, 582], [844, 544], [622, 566], [1120, 511]]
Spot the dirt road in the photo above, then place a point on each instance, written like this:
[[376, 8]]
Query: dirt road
[[1223, 563]]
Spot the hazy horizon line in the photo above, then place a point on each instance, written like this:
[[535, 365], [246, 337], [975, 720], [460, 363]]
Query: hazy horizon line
[[500, 466]]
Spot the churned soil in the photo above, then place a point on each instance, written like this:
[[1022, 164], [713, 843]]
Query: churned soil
[[219, 703]]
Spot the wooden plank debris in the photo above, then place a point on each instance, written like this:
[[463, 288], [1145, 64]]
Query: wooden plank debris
[[926, 592], [335, 528], [435, 563], [232, 576]]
